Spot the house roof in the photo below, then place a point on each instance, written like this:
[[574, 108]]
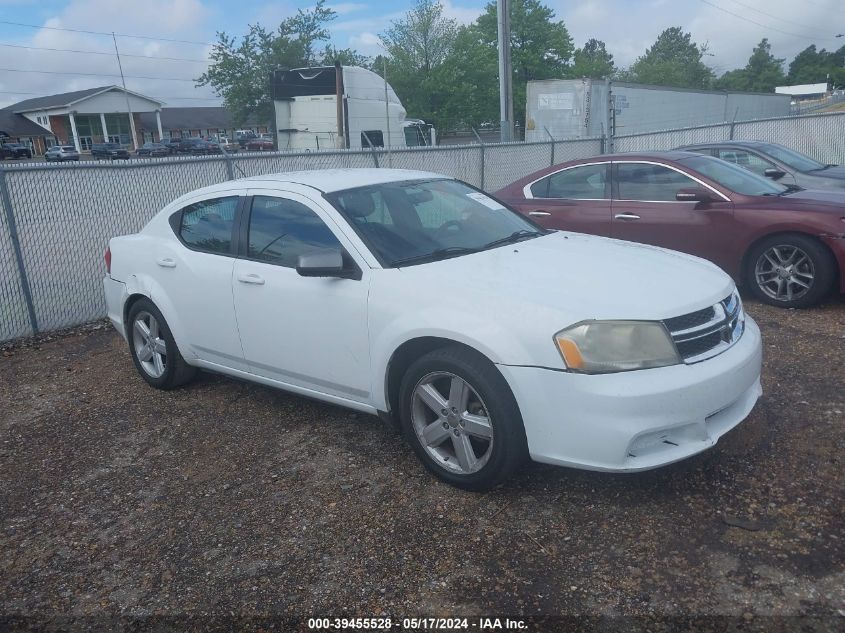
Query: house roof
[[16, 125], [65, 99], [194, 118]]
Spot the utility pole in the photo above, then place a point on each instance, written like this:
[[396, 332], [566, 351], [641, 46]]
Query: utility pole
[[125, 94], [505, 71], [386, 112]]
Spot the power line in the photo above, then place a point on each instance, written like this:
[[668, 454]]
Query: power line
[[140, 37], [756, 10], [771, 28], [70, 50], [15, 92], [57, 72]]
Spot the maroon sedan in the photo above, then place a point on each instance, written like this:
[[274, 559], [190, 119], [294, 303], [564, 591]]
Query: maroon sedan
[[786, 244]]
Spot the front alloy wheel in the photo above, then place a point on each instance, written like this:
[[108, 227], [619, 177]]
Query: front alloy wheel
[[452, 423], [461, 418]]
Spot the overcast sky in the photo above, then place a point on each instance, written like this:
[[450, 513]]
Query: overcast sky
[[627, 26]]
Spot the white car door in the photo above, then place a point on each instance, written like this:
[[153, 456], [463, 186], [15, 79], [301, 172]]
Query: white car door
[[194, 272], [310, 332]]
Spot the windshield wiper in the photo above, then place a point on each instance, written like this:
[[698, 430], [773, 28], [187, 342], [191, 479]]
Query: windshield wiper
[[516, 236], [436, 255]]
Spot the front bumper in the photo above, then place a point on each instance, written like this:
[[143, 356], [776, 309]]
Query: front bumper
[[637, 420]]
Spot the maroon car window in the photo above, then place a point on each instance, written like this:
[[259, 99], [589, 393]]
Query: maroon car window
[[651, 183], [587, 182]]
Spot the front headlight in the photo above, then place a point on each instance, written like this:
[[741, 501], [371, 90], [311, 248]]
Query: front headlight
[[601, 347]]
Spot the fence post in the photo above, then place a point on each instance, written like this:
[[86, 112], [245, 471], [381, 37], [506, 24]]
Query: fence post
[[481, 145], [370, 143], [16, 246], [552, 141], [229, 171]]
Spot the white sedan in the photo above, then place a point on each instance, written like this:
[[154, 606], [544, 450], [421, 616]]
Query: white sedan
[[416, 297]]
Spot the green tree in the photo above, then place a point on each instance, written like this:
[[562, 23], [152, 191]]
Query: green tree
[[762, 73], [593, 61], [417, 45], [812, 66], [346, 56], [470, 73], [673, 60], [240, 71]]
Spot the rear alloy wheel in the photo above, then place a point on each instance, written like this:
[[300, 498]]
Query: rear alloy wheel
[[460, 416], [792, 271], [153, 348]]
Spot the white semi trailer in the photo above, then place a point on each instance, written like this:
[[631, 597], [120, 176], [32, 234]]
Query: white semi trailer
[[347, 107]]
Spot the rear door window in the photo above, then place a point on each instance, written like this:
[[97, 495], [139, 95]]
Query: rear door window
[[207, 225]]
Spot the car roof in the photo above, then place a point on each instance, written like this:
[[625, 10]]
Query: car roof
[[330, 180], [673, 154], [728, 142]]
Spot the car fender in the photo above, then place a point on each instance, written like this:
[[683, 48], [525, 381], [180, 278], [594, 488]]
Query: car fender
[[145, 285], [490, 338]]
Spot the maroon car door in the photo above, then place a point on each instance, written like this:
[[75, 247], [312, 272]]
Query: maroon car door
[[572, 199], [646, 210]]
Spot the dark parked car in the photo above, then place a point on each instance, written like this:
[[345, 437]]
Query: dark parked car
[[15, 150], [777, 162], [153, 149], [198, 146], [61, 153], [109, 150], [172, 144], [788, 246], [260, 144]]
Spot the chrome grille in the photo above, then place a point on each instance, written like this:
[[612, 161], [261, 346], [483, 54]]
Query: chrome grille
[[705, 333]]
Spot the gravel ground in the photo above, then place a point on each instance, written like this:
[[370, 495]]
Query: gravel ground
[[240, 506]]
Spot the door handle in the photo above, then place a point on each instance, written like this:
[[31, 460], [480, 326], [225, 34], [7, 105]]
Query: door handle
[[166, 262], [251, 278], [626, 216], [540, 214]]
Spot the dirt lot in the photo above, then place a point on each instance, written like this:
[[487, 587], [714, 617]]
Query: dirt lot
[[228, 502]]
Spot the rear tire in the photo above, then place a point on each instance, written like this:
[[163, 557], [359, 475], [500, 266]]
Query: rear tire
[[461, 418], [153, 348], [790, 271]]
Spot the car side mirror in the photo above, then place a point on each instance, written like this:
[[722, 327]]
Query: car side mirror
[[693, 194], [324, 262], [774, 173]]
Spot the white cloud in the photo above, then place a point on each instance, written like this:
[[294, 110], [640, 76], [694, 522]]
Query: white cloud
[[366, 43], [462, 15], [343, 8]]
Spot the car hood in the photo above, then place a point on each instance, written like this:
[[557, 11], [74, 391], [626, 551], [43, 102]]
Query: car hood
[[584, 276], [834, 199], [836, 171]]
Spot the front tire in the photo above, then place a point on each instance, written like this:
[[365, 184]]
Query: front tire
[[154, 349], [790, 271], [461, 418]]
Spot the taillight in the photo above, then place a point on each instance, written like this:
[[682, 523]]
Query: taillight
[[107, 257]]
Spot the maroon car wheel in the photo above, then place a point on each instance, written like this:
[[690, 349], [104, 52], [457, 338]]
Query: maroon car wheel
[[790, 270]]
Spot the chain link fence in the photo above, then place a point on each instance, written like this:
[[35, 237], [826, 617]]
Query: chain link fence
[[55, 220], [821, 136]]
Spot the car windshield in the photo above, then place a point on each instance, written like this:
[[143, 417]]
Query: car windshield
[[733, 177], [68, 148], [796, 160], [412, 222]]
